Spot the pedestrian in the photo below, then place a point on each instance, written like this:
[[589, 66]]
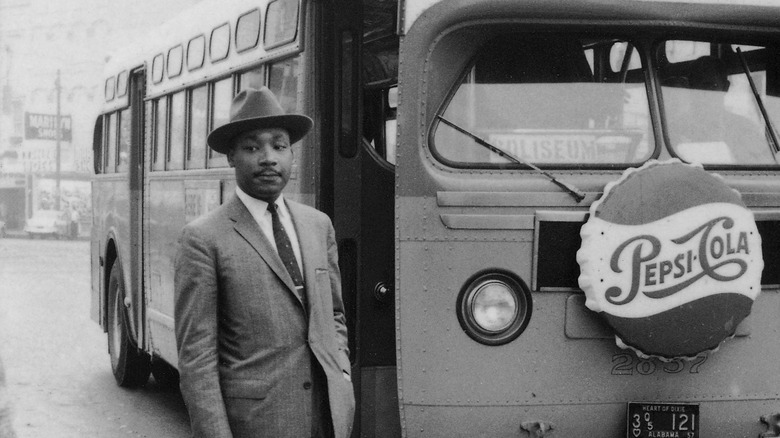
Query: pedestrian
[[74, 222], [259, 317]]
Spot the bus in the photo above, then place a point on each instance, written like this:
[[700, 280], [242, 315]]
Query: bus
[[554, 218]]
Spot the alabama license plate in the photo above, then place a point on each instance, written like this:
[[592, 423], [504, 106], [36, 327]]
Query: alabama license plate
[[663, 420]]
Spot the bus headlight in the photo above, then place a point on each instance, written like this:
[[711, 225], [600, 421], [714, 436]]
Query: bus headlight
[[494, 308]]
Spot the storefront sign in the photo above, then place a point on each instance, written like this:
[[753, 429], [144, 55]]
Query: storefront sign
[[44, 127]]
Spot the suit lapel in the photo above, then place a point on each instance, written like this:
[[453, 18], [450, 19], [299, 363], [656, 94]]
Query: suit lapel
[[246, 226]]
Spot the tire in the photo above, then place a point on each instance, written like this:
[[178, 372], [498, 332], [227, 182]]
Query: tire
[[131, 367], [165, 375]]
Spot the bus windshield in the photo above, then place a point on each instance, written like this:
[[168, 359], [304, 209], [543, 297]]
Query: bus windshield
[[712, 114], [563, 100], [551, 99]]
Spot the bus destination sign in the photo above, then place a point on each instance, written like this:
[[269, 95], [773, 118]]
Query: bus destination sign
[[663, 420]]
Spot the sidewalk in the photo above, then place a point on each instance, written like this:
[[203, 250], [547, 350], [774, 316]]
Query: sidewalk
[[20, 234]]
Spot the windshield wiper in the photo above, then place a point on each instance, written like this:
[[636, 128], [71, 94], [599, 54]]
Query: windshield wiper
[[774, 147], [575, 192]]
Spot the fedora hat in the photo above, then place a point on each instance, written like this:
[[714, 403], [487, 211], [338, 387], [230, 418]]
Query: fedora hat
[[257, 109]]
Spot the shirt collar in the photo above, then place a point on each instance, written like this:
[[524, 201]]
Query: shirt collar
[[258, 207]]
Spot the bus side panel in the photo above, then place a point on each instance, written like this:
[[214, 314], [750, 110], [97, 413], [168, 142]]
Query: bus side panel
[[96, 260], [166, 217], [111, 227]]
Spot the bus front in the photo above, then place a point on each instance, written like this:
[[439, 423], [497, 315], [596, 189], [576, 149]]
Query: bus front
[[587, 219]]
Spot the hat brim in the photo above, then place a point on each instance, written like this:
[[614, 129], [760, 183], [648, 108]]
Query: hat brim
[[297, 125]]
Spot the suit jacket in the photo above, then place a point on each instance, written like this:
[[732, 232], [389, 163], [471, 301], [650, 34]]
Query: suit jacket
[[244, 339]]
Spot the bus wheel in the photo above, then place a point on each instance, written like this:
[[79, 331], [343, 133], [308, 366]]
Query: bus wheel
[[165, 375], [130, 366]]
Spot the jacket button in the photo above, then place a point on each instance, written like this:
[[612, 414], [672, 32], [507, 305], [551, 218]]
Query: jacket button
[[306, 385]]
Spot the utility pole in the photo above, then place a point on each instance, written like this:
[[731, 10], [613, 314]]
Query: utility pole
[[59, 138]]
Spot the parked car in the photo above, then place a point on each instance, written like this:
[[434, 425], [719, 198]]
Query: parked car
[[52, 223]]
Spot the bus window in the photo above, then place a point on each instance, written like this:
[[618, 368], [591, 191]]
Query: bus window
[[219, 45], [391, 124], [220, 114], [196, 52], [618, 60], [252, 79], [281, 23], [125, 124], [121, 84], [712, 115], [176, 146], [380, 95], [158, 68], [196, 153], [97, 146], [160, 133], [110, 89], [248, 31], [110, 165], [538, 98], [175, 61], [283, 81]]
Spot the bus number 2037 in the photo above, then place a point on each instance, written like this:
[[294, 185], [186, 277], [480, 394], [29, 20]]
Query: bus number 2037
[[626, 364]]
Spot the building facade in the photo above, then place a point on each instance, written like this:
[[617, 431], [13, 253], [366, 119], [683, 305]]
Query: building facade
[[51, 69]]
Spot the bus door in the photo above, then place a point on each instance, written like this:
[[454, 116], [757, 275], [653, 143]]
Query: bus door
[[136, 85], [364, 78]]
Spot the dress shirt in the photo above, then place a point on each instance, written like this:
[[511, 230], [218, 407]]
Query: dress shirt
[[259, 211]]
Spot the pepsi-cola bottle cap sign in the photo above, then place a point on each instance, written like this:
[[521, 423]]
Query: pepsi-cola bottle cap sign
[[671, 258]]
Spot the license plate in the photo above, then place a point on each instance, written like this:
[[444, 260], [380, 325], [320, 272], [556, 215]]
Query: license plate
[[663, 420]]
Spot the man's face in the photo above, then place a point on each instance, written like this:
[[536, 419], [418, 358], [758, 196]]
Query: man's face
[[263, 162]]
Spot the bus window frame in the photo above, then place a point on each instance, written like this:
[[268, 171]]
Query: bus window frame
[[659, 48], [111, 143], [97, 146], [183, 147], [123, 166], [180, 67], [479, 39], [197, 63], [158, 68], [297, 22], [191, 163], [121, 84], [238, 29], [109, 89], [214, 159], [214, 59], [159, 158]]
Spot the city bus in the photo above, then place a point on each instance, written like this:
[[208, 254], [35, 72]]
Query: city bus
[[554, 218]]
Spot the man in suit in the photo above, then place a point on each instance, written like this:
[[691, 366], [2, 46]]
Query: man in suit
[[260, 325]]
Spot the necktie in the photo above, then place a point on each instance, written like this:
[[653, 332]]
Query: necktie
[[285, 250]]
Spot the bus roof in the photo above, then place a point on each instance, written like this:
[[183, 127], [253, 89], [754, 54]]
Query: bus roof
[[717, 11], [214, 37]]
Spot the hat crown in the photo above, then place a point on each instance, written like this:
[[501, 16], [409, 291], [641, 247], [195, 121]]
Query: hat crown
[[257, 109], [253, 103]]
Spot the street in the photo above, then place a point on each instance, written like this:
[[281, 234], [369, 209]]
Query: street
[[57, 367]]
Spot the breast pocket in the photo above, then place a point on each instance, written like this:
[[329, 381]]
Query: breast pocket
[[322, 288]]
